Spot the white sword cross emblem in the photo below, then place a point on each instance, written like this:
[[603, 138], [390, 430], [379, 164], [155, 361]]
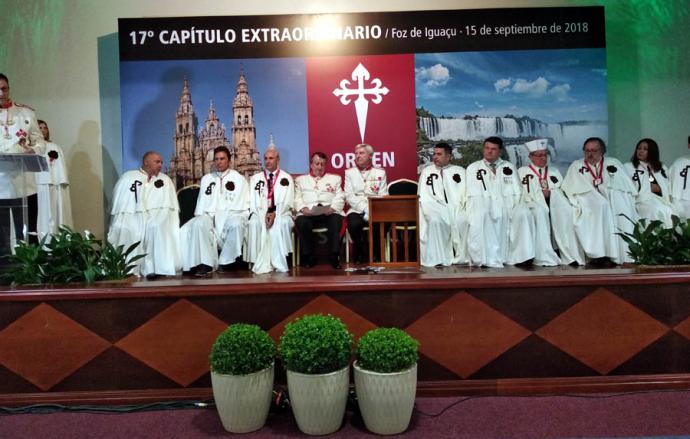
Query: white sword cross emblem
[[361, 74]]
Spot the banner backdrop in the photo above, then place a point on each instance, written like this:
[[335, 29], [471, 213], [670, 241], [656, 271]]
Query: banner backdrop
[[399, 81]]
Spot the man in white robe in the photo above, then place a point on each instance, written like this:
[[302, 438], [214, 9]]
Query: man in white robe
[[551, 211], [319, 202], [271, 197], [680, 185], [145, 209], [652, 200], [361, 182], [600, 190], [54, 206], [500, 230], [443, 222], [19, 134], [220, 219]]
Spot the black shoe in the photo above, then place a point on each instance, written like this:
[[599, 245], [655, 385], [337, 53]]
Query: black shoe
[[335, 261], [203, 271], [152, 276]]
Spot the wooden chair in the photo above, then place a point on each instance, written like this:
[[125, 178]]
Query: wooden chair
[[187, 197]]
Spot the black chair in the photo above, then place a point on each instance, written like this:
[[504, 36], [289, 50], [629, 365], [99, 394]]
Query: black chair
[[187, 197], [402, 186]]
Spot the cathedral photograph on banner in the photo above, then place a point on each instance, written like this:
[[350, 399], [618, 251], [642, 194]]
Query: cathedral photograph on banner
[[185, 109]]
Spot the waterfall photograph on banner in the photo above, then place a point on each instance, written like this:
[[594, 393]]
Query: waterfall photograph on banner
[[464, 97]]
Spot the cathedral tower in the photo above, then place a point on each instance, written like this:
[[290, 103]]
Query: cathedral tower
[[212, 135], [246, 156], [181, 165]]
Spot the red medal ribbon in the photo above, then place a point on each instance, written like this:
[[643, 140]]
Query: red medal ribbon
[[543, 182], [596, 179]]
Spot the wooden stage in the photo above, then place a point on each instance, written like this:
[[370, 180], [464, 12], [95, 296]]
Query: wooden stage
[[481, 331]]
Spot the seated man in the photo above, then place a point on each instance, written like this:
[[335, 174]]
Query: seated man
[[361, 182], [442, 218], [552, 213], [145, 209], [220, 219], [601, 191], [54, 206], [319, 202], [272, 195], [680, 186], [19, 134], [500, 230]]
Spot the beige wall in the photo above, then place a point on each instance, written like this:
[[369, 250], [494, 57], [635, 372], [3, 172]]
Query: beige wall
[[50, 53]]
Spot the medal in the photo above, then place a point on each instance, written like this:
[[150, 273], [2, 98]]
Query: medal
[[544, 184]]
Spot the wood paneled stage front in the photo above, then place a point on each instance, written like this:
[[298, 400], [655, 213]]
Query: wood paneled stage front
[[481, 331]]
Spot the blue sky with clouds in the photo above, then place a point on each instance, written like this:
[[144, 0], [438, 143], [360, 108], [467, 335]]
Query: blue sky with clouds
[[549, 85], [150, 96]]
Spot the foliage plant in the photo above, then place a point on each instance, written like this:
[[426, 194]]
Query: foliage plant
[[242, 349], [650, 243], [386, 350], [69, 256], [315, 344]]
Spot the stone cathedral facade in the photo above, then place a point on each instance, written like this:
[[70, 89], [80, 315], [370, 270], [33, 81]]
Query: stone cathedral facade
[[193, 155]]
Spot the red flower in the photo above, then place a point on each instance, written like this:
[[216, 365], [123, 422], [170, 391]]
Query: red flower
[[22, 134]]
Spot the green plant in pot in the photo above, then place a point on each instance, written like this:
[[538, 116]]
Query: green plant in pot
[[386, 379], [316, 351], [652, 243], [242, 364]]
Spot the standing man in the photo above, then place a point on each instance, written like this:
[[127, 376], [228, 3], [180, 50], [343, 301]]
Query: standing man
[[272, 195], [552, 213], [54, 206], [361, 182], [319, 202], [19, 134], [145, 209], [442, 221], [601, 191], [500, 230], [680, 185], [220, 219]]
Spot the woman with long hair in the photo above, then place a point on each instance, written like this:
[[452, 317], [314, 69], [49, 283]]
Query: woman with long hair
[[650, 177]]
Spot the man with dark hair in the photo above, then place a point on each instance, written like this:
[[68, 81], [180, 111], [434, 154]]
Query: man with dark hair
[[680, 185], [220, 219], [442, 218], [319, 202], [54, 206], [19, 134], [603, 194], [145, 209], [500, 231]]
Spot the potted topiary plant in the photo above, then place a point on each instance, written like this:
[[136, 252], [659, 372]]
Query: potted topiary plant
[[386, 379], [316, 350], [242, 368]]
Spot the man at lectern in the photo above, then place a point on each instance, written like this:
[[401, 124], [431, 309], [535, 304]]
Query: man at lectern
[[361, 182], [19, 134], [145, 209]]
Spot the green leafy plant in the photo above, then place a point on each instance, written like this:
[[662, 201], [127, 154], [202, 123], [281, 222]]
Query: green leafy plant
[[316, 344], [69, 256], [386, 350], [242, 349], [650, 243]]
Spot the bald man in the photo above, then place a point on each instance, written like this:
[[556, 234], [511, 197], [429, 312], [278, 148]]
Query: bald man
[[145, 209]]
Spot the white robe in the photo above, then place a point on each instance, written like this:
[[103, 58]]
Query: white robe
[[680, 186], [443, 222], [147, 210], [360, 185], [54, 206], [598, 212], [18, 119], [649, 205], [553, 221], [266, 248], [500, 229], [220, 221]]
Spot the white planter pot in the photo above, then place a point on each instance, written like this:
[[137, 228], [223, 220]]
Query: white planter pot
[[318, 401], [386, 400], [243, 401]]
